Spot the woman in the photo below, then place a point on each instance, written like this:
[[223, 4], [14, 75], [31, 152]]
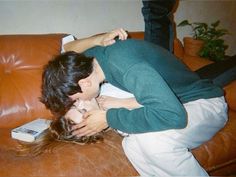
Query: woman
[[60, 129]]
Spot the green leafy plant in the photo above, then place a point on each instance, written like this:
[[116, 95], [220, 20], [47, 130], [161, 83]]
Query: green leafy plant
[[214, 46]]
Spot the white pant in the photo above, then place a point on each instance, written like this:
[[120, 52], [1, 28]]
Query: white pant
[[167, 153]]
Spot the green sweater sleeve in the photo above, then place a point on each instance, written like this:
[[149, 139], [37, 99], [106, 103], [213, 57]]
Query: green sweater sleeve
[[161, 109]]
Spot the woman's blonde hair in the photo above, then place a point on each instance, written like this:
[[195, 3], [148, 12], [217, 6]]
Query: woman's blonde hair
[[60, 130]]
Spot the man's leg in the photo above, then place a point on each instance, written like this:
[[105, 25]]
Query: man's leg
[[158, 22], [168, 153], [139, 162]]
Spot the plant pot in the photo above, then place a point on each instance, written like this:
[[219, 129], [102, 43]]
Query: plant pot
[[192, 46]]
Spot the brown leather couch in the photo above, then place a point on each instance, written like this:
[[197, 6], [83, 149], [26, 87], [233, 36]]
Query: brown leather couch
[[21, 61]]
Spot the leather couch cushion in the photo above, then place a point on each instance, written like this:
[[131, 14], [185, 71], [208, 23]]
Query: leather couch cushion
[[22, 58], [102, 159], [212, 154], [230, 95]]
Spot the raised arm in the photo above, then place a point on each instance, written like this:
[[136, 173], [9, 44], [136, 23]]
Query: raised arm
[[105, 39]]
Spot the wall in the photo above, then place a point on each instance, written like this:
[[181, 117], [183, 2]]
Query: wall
[[86, 17], [79, 17]]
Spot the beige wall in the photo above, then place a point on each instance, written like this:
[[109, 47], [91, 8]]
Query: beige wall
[[79, 17], [86, 17]]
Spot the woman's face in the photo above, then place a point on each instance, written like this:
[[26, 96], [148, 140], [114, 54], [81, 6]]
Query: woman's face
[[76, 111]]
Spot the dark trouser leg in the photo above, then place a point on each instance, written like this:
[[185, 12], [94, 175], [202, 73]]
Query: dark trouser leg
[[221, 73], [158, 24]]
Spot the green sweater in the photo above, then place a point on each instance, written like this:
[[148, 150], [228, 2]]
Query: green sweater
[[159, 82]]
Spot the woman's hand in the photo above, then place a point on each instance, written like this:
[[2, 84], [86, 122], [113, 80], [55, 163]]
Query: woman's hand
[[107, 102], [108, 38], [87, 104]]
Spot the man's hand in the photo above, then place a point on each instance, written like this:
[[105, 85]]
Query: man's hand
[[109, 38], [93, 122]]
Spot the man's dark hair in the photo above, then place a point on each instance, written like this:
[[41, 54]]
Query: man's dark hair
[[60, 79]]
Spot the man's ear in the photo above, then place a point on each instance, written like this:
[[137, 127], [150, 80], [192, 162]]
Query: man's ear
[[84, 83]]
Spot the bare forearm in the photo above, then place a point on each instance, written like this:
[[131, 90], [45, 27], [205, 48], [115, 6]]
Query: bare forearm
[[80, 45], [107, 102], [130, 103], [104, 39]]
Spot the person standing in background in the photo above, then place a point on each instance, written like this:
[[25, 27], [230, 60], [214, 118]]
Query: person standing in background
[[158, 24]]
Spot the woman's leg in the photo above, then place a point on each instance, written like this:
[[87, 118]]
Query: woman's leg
[[168, 153], [221, 73]]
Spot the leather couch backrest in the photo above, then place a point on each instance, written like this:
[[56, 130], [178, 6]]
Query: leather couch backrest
[[22, 58]]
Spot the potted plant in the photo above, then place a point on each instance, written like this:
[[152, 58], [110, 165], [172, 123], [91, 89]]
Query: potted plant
[[206, 40]]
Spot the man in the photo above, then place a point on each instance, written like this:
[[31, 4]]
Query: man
[[179, 110]]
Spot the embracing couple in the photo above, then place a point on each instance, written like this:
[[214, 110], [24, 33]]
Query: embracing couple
[[139, 89]]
